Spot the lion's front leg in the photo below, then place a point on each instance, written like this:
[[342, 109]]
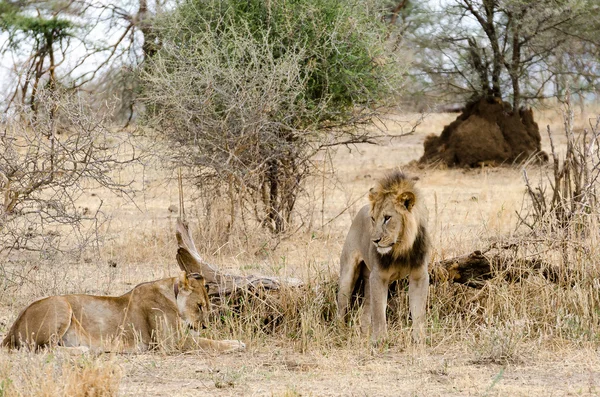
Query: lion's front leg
[[418, 288], [378, 288]]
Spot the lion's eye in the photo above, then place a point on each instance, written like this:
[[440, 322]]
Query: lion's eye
[[386, 218], [372, 220]]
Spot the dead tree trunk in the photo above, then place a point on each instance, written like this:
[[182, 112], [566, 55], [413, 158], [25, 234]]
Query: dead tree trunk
[[220, 283], [476, 268]]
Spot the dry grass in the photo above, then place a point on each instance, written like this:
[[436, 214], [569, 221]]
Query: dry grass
[[529, 338], [59, 373]]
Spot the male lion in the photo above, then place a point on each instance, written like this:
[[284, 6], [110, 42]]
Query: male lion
[[387, 241], [130, 322]]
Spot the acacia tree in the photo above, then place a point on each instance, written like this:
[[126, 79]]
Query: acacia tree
[[44, 36], [508, 48], [74, 43], [248, 91]]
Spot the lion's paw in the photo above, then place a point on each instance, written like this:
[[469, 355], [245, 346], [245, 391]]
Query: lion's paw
[[232, 345], [74, 350]]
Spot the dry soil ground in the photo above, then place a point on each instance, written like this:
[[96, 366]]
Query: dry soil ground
[[465, 207]]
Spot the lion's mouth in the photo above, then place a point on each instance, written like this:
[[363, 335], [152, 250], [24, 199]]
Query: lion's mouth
[[384, 250], [196, 327]]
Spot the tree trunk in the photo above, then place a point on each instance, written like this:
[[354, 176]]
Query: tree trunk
[[479, 66], [396, 10], [273, 206], [515, 68], [149, 47], [490, 31]]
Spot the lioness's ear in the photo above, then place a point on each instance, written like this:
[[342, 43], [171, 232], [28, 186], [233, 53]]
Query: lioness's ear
[[407, 199], [196, 276], [183, 280]]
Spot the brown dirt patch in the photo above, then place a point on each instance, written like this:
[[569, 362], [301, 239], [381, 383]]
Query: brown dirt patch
[[488, 132]]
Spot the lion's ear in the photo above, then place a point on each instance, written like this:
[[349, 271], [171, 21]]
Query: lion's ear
[[407, 200], [373, 195]]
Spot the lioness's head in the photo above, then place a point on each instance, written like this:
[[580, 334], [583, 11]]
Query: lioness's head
[[192, 300], [396, 211]]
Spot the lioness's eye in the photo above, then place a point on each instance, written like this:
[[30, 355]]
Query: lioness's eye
[[386, 218], [372, 220]]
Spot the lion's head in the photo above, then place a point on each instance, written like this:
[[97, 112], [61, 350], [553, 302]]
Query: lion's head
[[192, 300], [396, 212]]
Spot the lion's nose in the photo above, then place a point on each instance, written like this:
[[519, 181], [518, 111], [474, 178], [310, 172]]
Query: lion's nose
[[376, 241]]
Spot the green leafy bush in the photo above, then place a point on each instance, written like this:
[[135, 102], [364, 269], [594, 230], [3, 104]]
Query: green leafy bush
[[250, 90]]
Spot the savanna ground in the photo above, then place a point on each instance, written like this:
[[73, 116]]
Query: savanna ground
[[528, 338]]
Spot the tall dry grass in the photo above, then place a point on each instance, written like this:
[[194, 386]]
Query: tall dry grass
[[499, 323], [504, 321], [59, 374]]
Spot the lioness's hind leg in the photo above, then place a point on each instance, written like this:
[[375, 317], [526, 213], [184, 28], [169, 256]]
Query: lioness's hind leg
[[41, 323], [349, 272], [76, 336]]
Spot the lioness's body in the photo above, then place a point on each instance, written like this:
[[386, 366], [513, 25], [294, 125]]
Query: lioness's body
[[387, 241], [130, 322]]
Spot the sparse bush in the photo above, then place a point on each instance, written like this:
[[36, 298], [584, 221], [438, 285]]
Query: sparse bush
[[247, 92], [564, 204], [47, 160], [573, 182], [499, 343]]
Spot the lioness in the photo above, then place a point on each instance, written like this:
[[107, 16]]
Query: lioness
[[387, 241], [129, 322]]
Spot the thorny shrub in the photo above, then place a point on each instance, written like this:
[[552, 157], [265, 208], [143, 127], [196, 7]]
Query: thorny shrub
[[48, 159]]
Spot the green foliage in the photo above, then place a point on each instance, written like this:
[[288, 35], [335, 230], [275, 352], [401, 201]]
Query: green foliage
[[19, 25], [342, 45]]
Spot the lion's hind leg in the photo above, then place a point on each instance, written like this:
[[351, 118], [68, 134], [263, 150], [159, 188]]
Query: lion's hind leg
[[349, 273], [42, 323]]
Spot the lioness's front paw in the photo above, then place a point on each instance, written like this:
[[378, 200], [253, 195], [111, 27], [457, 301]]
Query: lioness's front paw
[[232, 345], [74, 350]]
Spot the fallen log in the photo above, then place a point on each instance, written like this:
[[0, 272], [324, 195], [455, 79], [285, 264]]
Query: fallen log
[[476, 268], [268, 302], [220, 283]]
